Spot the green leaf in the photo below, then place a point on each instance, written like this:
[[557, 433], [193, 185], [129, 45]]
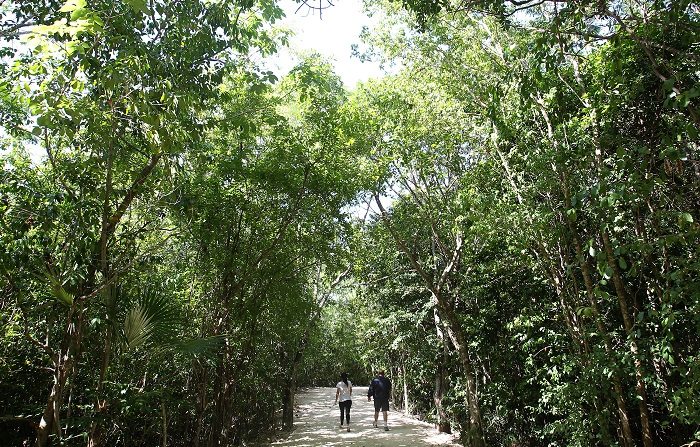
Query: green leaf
[[44, 121], [153, 321], [623, 263], [608, 273], [692, 131], [58, 291], [137, 5], [137, 327], [685, 218], [585, 311]]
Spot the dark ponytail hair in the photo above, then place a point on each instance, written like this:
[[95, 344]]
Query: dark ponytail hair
[[344, 376]]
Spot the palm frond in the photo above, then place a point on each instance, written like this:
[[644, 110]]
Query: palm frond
[[137, 327], [56, 287], [153, 320]]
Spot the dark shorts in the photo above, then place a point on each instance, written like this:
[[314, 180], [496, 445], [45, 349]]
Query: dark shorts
[[381, 404]]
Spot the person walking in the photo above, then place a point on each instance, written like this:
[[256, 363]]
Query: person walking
[[380, 389], [343, 397]]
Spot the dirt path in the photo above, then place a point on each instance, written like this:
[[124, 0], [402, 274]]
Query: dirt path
[[317, 423]]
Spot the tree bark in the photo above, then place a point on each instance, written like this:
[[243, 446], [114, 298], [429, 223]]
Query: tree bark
[[627, 438], [458, 339], [406, 402], [443, 422], [164, 418], [201, 404], [288, 405], [629, 330], [64, 362]]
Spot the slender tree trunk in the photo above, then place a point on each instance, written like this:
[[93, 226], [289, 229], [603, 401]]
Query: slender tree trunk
[[629, 330], [406, 403], [220, 413], [289, 391], [164, 418], [622, 295], [288, 405], [201, 405], [440, 372], [94, 436], [568, 313], [64, 362], [46, 424], [458, 339], [627, 438], [625, 428]]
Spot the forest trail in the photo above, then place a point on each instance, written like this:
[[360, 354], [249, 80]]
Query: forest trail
[[317, 424]]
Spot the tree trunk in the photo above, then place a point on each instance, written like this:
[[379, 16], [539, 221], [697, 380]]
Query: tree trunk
[[220, 413], [95, 435], [164, 417], [443, 422], [63, 366], [629, 330], [627, 438], [458, 339], [288, 405], [440, 374], [625, 428], [201, 405], [46, 423], [406, 403], [475, 434]]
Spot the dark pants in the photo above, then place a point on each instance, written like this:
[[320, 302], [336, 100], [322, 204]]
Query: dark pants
[[345, 409]]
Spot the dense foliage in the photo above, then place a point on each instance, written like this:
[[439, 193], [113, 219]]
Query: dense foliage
[[508, 224], [160, 264], [541, 159]]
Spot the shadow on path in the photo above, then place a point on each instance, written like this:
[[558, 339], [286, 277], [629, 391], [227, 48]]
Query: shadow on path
[[317, 423]]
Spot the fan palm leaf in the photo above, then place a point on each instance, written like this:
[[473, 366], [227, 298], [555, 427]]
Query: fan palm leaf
[[155, 322], [137, 327]]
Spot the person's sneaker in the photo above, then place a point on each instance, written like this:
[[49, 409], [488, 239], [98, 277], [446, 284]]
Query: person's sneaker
[[374, 425], [386, 428]]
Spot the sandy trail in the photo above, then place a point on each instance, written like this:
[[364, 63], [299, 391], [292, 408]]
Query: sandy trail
[[317, 423]]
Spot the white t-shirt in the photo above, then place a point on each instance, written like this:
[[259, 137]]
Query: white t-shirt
[[344, 391]]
